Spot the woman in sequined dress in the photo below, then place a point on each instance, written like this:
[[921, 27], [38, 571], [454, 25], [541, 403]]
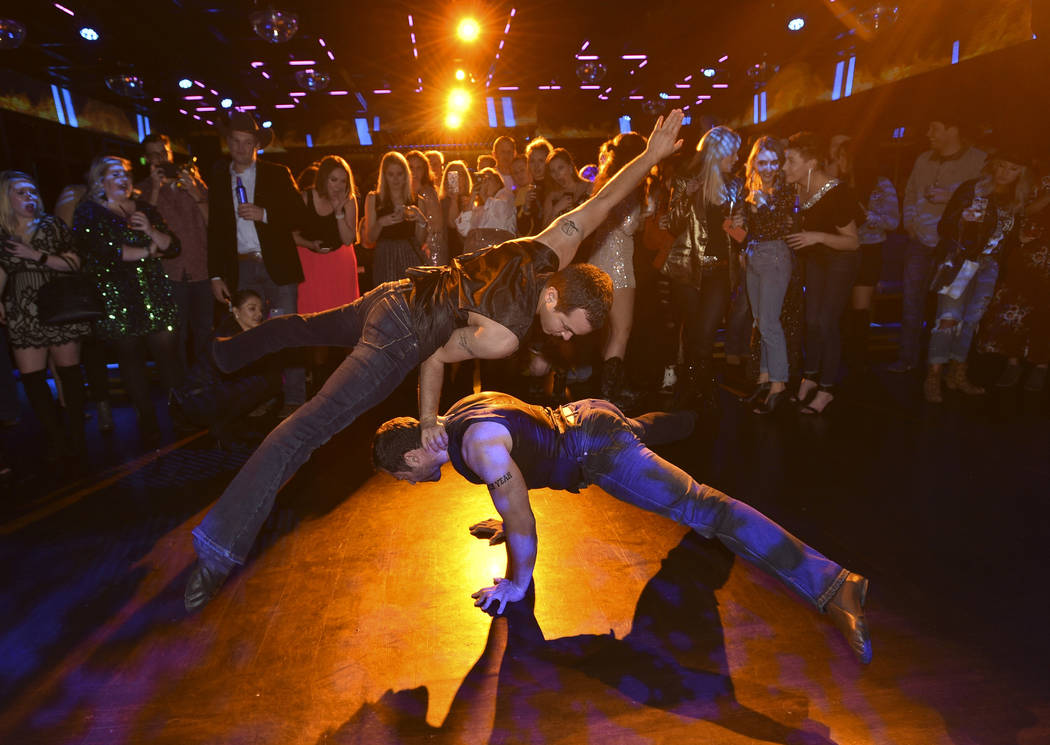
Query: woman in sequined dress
[[36, 249], [122, 239], [614, 255], [394, 225], [435, 243]]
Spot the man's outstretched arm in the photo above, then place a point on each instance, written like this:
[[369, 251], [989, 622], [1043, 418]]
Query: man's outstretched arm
[[565, 234], [486, 450], [483, 339]]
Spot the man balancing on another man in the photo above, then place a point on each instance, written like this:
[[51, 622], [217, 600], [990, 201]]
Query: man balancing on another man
[[478, 307], [495, 439]]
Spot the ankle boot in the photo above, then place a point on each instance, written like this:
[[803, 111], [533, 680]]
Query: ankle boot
[[73, 388], [931, 387], [957, 379], [43, 404]]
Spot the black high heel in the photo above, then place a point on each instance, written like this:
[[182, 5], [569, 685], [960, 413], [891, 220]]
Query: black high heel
[[773, 400], [758, 394]]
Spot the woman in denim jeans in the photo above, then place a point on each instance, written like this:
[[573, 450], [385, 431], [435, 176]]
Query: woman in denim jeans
[[977, 228], [769, 218], [830, 259]]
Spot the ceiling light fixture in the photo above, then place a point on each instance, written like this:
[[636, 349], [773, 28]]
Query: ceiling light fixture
[[314, 81], [468, 30], [12, 33], [273, 25], [89, 33], [797, 23], [126, 84]]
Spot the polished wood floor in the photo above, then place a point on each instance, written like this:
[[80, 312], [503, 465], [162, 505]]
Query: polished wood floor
[[353, 623]]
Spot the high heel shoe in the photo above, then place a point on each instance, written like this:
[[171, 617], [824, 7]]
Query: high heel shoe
[[810, 394], [773, 400], [758, 394]]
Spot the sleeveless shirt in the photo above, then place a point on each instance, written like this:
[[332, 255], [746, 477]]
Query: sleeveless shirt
[[322, 228], [499, 282], [539, 444]]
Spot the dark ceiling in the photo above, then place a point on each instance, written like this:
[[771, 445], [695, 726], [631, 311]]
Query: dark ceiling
[[162, 41]]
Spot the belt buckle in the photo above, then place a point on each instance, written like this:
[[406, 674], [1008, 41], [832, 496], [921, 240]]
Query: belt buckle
[[569, 415]]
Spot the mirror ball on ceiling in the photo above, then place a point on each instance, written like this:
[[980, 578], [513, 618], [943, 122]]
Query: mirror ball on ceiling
[[313, 80], [590, 71], [12, 33], [274, 26], [126, 84], [879, 17]]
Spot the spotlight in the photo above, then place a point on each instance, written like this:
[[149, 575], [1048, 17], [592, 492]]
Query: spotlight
[[185, 83], [453, 120], [226, 103], [458, 100], [709, 72], [267, 124], [89, 33], [797, 23], [468, 29], [461, 75]]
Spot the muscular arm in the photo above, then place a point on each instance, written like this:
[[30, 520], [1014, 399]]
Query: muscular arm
[[566, 233], [482, 339], [486, 450]]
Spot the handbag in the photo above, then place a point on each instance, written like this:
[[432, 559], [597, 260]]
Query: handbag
[[69, 298]]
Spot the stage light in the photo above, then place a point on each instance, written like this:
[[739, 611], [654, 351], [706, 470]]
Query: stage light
[[267, 124], [797, 23], [461, 75], [453, 120], [185, 83], [226, 103], [709, 72], [89, 33], [458, 100], [468, 29]]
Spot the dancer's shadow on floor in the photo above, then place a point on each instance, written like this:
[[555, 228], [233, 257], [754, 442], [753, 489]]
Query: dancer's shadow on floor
[[598, 686]]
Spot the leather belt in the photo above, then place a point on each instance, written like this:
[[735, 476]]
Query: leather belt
[[255, 256]]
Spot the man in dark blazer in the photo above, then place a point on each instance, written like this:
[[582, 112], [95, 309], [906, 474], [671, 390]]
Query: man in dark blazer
[[253, 208]]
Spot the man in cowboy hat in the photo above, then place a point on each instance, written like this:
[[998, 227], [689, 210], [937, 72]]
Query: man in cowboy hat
[[250, 244]]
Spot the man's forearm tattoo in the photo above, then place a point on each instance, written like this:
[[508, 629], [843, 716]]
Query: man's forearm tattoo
[[500, 481], [569, 227]]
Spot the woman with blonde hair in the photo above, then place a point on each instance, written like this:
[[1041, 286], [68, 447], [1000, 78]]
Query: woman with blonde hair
[[490, 218], [703, 196], [35, 249], [394, 225], [122, 239]]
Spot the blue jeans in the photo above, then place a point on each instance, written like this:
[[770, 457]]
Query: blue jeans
[[281, 300], [612, 453], [829, 283], [379, 327], [954, 343], [769, 265], [916, 276]]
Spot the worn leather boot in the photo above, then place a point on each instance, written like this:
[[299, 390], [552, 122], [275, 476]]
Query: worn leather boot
[[957, 379], [846, 611], [203, 584]]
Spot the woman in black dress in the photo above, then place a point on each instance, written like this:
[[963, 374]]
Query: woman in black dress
[[394, 225], [37, 247]]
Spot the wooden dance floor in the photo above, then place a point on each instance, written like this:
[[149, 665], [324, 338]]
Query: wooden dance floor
[[352, 621]]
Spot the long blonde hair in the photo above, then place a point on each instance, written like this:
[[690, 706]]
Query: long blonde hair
[[8, 221], [752, 179], [386, 198], [717, 143], [97, 172]]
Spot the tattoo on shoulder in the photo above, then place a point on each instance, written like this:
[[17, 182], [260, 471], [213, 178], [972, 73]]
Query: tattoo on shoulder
[[500, 481], [569, 227]]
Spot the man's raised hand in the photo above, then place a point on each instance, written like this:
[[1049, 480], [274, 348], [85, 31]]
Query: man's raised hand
[[664, 139]]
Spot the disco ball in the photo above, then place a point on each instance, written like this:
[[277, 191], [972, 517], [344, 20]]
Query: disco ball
[[274, 26], [12, 33], [313, 80], [879, 17], [653, 106], [126, 84], [590, 71]]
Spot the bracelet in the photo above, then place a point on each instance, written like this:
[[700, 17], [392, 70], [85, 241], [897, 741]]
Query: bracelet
[[341, 216]]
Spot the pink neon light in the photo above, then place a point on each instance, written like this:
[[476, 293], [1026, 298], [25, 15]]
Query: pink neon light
[[193, 98], [409, 20], [205, 108], [643, 63], [506, 29], [183, 111], [590, 87], [687, 78], [636, 98], [633, 56], [586, 56], [198, 83], [720, 85], [585, 45], [197, 117], [321, 42], [156, 100], [296, 94], [301, 62], [246, 108], [682, 85], [64, 9], [285, 106], [331, 56], [381, 91], [338, 93], [266, 74], [257, 63], [513, 11], [508, 88], [724, 58]]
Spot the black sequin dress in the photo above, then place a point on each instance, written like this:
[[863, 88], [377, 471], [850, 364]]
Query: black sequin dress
[[24, 280], [138, 295]]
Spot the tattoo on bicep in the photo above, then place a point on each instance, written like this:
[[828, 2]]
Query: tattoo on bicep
[[463, 339], [569, 227], [500, 481]]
